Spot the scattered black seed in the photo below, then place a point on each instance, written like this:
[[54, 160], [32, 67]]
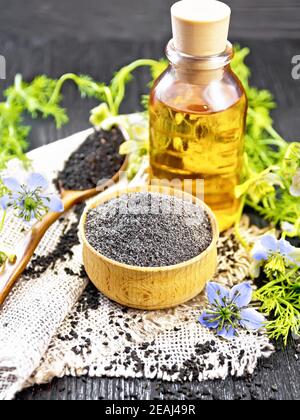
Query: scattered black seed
[[241, 355], [267, 365], [70, 272], [258, 384], [254, 395], [144, 346], [62, 252], [202, 349], [97, 159], [73, 334], [75, 350], [206, 392], [216, 397], [149, 229], [89, 300]]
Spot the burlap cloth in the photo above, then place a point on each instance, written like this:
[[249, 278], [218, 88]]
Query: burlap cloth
[[57, 324]]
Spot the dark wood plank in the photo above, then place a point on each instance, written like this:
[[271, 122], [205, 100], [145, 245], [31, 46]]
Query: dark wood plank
[[275, 379], [131, 19]]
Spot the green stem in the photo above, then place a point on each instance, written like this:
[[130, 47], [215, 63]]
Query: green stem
[[120, 81], [269, 286], [256, 207], [269, 129], [237, 230], [59, 85], [123, 75], [110, 100], [76, 79], [275, 142], [2, 220]]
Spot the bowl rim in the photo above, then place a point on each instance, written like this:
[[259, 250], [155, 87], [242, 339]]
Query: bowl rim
[[147, 188]]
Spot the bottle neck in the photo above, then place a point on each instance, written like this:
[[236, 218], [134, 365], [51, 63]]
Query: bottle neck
[[198, 70]]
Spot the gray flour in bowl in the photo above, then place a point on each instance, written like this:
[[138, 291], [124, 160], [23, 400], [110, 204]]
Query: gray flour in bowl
[[148, 229]]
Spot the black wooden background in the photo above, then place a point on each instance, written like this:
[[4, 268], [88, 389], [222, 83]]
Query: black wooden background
[[96, 37]]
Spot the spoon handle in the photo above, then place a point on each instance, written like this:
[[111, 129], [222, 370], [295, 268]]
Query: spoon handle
[[31, 240]]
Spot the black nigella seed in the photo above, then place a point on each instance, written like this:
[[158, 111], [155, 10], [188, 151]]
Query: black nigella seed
[[97, 158]]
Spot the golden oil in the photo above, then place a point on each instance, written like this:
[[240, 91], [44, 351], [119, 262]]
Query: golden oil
[[200, 145]]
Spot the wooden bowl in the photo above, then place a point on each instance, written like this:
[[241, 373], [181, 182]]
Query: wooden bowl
[[150, 288]]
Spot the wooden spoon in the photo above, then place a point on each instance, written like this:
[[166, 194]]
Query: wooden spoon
[[27, 247]]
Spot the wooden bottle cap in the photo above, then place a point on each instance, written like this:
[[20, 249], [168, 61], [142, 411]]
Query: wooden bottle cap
[[200, 27]]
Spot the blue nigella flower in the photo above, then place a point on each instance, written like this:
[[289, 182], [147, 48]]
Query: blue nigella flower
[[228, 310], [29, 199], [276, 253], [269, 245]]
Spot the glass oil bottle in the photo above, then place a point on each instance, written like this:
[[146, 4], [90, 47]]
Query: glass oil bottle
[[198, 108]]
